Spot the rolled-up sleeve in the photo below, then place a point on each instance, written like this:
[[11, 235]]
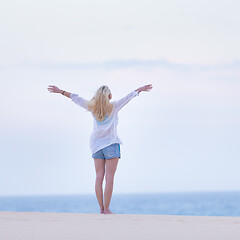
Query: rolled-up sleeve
[[79, 100], [123, 101]]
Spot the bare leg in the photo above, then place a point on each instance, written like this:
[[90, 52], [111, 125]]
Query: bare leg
[[100, 171], [111, 166]]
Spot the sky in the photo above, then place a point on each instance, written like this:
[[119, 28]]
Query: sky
[[181, 136]]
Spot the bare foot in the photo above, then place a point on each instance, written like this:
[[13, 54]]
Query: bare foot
[[107, 211]]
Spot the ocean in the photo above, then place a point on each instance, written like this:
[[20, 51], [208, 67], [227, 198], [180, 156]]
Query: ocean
[[190, 203]]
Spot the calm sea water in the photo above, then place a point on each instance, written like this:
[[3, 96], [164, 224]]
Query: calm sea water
[[201, 204]]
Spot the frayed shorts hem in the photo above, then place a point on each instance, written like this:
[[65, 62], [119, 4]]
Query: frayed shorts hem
[[111, 151]]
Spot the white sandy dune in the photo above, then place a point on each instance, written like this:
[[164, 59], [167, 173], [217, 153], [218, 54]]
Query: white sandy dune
[[68, 226]]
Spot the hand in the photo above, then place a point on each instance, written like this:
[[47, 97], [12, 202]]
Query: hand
[[145, 88], [54, 89]]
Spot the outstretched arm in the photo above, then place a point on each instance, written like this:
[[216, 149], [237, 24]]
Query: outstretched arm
[[123, 101], [75, 98], [146, 88], [54, 89]]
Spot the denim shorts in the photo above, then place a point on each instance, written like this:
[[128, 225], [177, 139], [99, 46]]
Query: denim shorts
[[111, 151]]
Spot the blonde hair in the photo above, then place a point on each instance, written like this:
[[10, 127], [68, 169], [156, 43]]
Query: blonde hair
[[100, 105]]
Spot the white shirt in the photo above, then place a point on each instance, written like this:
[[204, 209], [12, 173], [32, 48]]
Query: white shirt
[[105, 132]]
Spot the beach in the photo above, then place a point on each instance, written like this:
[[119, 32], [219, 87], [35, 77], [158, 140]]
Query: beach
[[69, 226]]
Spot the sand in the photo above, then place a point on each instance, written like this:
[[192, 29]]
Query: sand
[[68, 226]]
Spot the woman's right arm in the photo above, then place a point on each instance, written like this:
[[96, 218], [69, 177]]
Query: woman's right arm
[[146, 88], [123, 101]]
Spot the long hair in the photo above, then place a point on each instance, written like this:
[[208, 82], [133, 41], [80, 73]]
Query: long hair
[[100, 105]]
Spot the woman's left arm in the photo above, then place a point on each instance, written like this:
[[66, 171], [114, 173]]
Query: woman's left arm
[[75, 98], [55, 89]]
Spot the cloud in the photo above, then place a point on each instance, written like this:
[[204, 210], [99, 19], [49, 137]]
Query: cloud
[[121, 64]]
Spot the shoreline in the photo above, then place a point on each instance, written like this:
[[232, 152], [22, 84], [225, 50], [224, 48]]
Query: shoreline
[[42, 225]]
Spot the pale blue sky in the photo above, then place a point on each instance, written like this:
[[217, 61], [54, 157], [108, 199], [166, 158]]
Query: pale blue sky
[[181, 136]]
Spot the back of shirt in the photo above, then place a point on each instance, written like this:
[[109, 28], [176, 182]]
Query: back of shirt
[[105, 132]]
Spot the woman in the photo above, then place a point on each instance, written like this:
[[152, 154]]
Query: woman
[[104, 141]]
